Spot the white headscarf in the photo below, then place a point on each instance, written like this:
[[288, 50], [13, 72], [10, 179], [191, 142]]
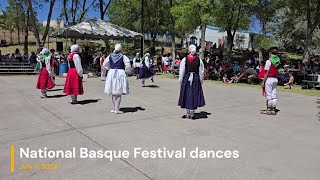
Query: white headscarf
[[192, 49], [147, 54], [74, 48], [117, 48], [45, 51]]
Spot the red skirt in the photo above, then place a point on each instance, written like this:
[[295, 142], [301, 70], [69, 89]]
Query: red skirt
[[73, 84], [44, 81]]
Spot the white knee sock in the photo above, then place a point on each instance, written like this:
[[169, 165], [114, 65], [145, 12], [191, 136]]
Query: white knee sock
[[192, 113], [73, 98], [274, 103], [43, 92], [117, 102], [113, 97], [187, 112]]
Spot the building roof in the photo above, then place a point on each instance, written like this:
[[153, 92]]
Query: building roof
[[242, 31]]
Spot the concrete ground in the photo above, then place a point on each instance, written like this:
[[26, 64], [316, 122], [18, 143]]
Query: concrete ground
[[283, 147]]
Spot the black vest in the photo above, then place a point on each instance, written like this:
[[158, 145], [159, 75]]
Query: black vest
[[71, 64], [192, 67]]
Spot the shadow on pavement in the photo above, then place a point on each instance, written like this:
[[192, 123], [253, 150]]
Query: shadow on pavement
[[201, 115], [57, 96], [152, 86], [88, 101], [131, 109], [51, 90]]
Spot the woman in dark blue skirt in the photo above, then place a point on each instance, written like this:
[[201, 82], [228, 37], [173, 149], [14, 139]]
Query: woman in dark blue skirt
[[191, 74], [146, 71]]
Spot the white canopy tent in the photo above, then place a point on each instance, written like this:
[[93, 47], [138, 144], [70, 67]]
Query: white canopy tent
[[96, 29]]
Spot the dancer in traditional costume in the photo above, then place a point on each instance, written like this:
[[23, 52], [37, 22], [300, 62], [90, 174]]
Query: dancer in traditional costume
[[38, 65], [44, 81], [117, 84], [52, 64], [73, 85], [270, 81], [146, 71], [103, 70], [191, 74], [137, 64]]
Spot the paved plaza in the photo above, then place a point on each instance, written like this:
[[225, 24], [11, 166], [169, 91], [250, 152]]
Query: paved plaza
[[279, 147]]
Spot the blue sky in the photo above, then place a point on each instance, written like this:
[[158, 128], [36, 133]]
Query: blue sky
[[42, 14]]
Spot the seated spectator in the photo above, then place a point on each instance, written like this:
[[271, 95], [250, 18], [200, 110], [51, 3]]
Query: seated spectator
[[178, 60], [225, 79], [289, 85], [259, 67], [8, 57], [17, 55], [236, 67], [234, 78], [33, 60], [250, 74]]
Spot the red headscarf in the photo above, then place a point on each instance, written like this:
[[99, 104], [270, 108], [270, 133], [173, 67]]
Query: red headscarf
[[191, 58]]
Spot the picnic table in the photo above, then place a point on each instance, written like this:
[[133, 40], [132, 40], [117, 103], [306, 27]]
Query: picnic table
[[311, 81]]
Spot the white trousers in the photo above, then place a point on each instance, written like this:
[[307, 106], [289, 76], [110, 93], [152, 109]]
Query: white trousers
[[271, 92], [103, 74]]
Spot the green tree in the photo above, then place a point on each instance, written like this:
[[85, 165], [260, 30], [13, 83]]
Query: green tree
[[232, 15], [309, 10], [189, 14], [13, 18], [32, 5], [75, 11], [156, 14], [265, 11]]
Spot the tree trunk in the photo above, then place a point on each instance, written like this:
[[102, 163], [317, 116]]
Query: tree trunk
[[264, 29], [260, 56], [153, 40], [26, 33], [307, 49], [11, 38], [19, 42], [34, 22], [229, 43], [203, 41], [173, 47], [45, 34]]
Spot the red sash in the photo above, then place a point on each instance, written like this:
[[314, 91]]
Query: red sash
[[52, 62], [102, 61]]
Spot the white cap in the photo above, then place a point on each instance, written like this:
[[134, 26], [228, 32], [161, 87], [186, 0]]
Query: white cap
[[147, 54], [74, 48], [45, 51], [192, 49], [117, 48]]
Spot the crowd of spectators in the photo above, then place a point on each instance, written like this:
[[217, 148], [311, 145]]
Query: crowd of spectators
[[216, 67]]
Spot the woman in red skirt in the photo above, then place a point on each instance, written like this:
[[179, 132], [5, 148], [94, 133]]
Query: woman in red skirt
[[44, 81], [73, 85]]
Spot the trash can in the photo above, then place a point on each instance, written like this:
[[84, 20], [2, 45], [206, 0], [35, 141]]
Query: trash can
[[63, 68]]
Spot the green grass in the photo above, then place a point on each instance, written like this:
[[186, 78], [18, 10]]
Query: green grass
[[296, 89], [33, 47], [291, 56]]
